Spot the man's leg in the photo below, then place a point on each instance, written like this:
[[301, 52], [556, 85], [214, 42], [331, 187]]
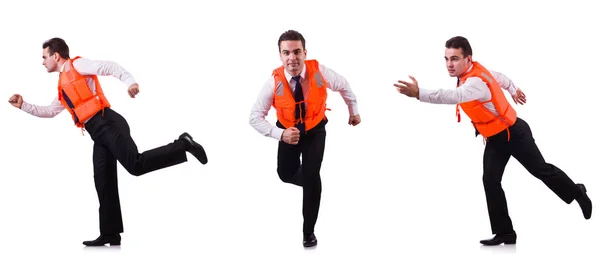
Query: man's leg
[[116, 136], [288, 163], [289, 167], [495, 158], [313, 150], [525, 150], [105, 179]]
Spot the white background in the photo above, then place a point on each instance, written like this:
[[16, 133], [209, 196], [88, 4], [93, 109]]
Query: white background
[[406, 180]]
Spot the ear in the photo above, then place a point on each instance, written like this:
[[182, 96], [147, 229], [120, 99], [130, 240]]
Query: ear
[[470, 59]]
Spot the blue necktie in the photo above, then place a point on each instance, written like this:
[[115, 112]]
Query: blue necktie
[[70, 104], [300, 107]]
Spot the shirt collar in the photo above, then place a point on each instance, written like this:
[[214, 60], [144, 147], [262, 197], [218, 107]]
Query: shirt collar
[[62, 67], [467, 71], [288, 77]]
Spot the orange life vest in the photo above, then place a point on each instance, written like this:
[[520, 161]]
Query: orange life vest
[[75, 95], [486, 123], [285, 104]]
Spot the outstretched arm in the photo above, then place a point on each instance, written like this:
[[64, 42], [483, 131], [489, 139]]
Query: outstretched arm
[[472, 89], [48, 111]]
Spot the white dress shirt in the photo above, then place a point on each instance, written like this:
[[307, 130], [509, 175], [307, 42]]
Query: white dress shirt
[[264, 102], [84, 67], [472, 89]]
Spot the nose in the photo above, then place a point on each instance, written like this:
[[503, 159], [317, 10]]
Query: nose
[[292, 56]]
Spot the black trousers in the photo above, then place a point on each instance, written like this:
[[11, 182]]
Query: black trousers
[[112, 143], [311, 147], [523, 148]]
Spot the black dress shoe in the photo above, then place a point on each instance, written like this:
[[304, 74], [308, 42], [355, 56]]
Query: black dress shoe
[[104, 239], [309, 240], [194, 148], [584, 202], [510, 238]]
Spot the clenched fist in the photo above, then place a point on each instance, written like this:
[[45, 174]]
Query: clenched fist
[[291, 136], [354, 120], [133, 90], [16, 100]]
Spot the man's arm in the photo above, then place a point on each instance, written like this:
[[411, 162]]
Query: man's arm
[[260, 110], [48, 111], [338, 83], [103, 68], [504, 82], [473, 89]]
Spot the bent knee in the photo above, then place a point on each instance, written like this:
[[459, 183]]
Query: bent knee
[[286, 178], [134, 170]]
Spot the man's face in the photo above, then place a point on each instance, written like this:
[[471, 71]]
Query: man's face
[[50, 61], [456, 63], [292, 56]]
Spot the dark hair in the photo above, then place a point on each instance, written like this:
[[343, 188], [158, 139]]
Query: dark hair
[[57, 45], [291, 35], [459, 42]]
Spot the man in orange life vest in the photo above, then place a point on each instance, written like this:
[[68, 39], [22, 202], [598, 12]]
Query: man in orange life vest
[[80, 92], [298, 92], [479, 94]]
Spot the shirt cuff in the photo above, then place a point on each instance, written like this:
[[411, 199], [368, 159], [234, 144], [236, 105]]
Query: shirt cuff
[[26, 107], [129, 81], [276, 133], [353, 109], [424, 95]]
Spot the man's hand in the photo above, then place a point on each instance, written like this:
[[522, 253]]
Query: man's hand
[[354, 120], [408, 89], [16, 100], [291, 136], [519, 97], [133, 90]]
